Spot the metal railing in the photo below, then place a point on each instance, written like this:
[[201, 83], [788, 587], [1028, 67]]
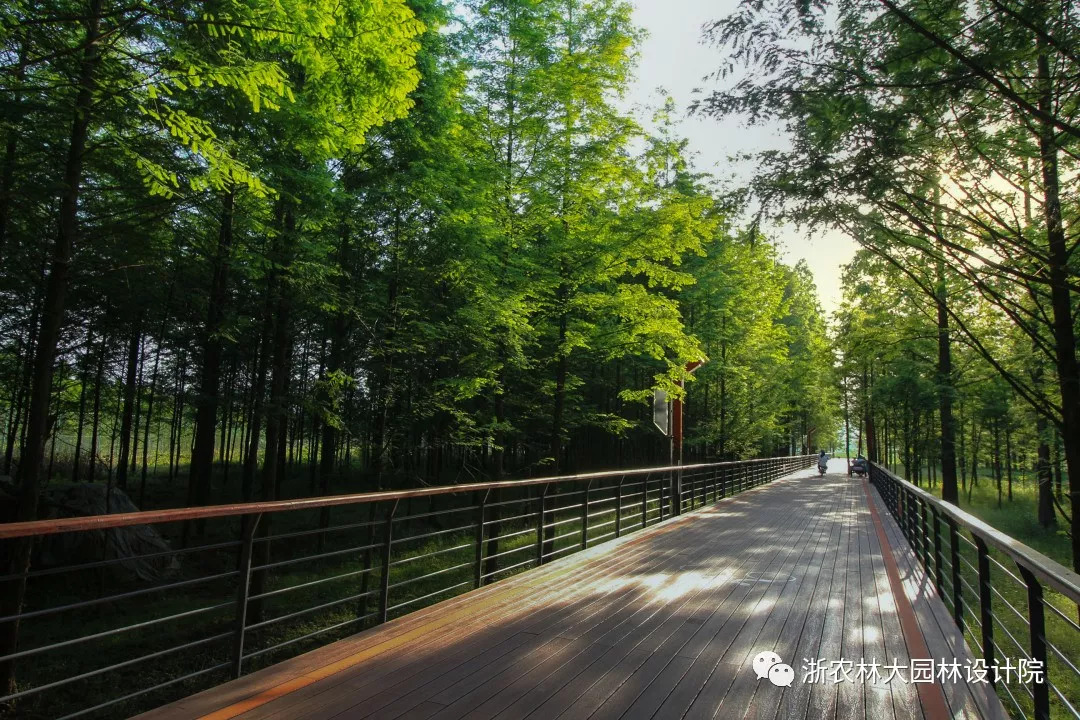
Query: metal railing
[[1031, 616], [268, 580]]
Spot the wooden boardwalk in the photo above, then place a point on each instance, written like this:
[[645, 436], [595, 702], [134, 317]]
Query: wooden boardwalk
[[659, 624]]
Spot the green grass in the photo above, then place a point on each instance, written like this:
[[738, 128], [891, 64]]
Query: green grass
[[1018, 519]]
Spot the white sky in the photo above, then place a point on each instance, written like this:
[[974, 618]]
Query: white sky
[[674, 58]]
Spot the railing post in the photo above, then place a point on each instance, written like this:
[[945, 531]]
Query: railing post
[[939, 579], [384, 590], [618, 506], [540, 524], [585, 516], [909, 511], [925, 536], [677, 493], [663, 499], [248, 526], [478, 575], [957, 588], [645, 501], [987, 617], [662, 496], [1040, 692]]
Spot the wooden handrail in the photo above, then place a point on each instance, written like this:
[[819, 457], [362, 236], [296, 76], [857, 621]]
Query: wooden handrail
[[34, 528], [1052, 573]]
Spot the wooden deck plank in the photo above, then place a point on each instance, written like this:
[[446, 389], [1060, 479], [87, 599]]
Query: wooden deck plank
[[731, 646], [428, 618], [712, 572], [659, 624], [878, 694], [438, 683], [764, 629], [851, 696], [801, 631], [366, 674], [794, 700], [823, 696], [698, 622]]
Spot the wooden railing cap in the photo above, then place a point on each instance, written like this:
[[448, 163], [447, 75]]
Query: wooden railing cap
[[1049, 571], [36, 528]]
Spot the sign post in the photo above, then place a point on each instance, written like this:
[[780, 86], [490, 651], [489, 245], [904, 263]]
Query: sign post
[[677, 438], [667, 416]]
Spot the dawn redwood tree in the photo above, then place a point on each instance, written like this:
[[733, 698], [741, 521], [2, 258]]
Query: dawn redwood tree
[[919, 116], [150, 60]]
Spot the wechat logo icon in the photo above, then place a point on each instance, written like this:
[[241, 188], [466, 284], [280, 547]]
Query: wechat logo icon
[[768, 664]]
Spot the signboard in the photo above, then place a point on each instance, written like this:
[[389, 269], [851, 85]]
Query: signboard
[[660, 410]]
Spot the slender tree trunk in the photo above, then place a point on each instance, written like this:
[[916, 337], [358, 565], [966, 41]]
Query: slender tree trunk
[[83, 382], [962, 458], [975, 436], [1068, 370], [135, 427], [146, 425], [251, 458], [18, 423], [1042, 473], [334, 361], [114, 433], [276, 409], [949, 491], [226, 422], [1057, 468], [55, 420], [129, 405], [97, 411], [560, 394], [202, 454], [997, 459], [1008, 461], [7, 169], [173, 420]]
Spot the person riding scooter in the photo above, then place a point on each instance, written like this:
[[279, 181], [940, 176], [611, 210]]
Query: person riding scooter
[[858, 466], [822, 461]]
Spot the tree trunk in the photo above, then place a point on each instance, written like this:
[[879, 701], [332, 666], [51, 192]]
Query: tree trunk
[[18, 422], [1064, 334], [997, 459], [1008, 461], [97, 412], [949, 491], [334, 361], [83, 382], [129, 405], [202, 453], [251, 458], [1042, 473], [560, 395], [146, 425], [275, 412], [7, 172]]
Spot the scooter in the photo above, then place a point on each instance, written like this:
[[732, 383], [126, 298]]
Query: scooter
[[821, 469]]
